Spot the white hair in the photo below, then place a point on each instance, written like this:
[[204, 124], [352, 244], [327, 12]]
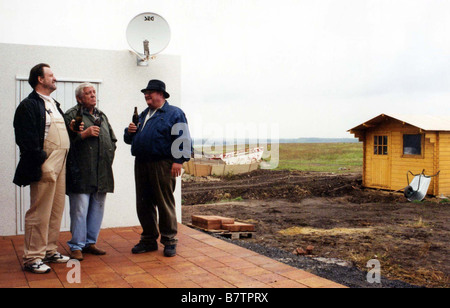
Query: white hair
[[81, 87]]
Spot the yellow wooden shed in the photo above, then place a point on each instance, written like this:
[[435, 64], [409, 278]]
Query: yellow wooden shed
[[393, 145]]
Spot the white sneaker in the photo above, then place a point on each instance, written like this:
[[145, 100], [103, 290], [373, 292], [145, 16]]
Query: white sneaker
[[57, 258], [37, 267]]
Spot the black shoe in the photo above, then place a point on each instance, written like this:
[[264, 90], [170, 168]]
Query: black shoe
[[170, 250], [142, 247]]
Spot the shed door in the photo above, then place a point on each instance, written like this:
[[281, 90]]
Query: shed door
[[381, 162], [65, 95]]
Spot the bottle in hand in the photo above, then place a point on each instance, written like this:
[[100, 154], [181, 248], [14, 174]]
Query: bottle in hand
[[135, 117], [78, 118]]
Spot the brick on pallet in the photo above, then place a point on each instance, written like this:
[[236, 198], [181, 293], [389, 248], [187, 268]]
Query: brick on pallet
[[210, 222], [225, 220], [206, 222], [239, 227]]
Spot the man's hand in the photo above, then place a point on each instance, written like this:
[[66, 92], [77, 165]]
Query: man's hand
[[132, 128], [92, 131], [72, 126], [176, 169]]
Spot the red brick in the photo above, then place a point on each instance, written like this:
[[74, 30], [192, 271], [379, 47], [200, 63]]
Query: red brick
[[210, 222], [206, 222], [239, 226]]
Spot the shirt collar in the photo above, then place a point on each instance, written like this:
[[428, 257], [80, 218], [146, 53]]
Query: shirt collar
[[45, 97]]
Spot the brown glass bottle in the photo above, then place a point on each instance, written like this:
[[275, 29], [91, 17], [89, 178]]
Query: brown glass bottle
[[135, 117], [78, 118]]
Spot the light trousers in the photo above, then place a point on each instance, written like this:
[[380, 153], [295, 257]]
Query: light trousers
[[47, 197], [86, 216]]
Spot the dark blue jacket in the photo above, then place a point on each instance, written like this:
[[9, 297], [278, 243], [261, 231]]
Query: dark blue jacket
[[164, 136]]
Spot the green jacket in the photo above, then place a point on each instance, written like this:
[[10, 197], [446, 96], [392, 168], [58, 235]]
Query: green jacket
[[89, 163]]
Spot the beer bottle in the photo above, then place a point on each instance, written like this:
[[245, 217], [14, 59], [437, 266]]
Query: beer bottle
[[78, 118], [135, 117]]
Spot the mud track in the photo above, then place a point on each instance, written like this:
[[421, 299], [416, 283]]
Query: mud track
[[293, 186]]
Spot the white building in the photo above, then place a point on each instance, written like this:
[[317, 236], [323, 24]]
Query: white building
[[118, 79]]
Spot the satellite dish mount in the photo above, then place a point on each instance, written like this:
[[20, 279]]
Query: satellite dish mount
[[148, 34]]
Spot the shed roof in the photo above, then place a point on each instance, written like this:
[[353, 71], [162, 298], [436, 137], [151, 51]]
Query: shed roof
[[424, 122]]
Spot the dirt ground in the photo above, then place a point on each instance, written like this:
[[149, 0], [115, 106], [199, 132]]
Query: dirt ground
[[336, 215]]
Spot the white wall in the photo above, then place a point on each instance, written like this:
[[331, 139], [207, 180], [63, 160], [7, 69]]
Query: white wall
[[119, 92]]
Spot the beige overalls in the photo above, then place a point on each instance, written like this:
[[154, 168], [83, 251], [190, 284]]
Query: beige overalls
[[43, 219]]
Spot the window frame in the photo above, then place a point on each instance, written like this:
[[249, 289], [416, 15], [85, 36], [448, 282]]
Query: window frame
[[383, 145], [422, 146]]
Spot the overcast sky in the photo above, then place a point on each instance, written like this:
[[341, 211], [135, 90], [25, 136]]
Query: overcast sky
[[313, 68]]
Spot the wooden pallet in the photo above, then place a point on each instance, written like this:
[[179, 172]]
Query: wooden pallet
[[234, 235]]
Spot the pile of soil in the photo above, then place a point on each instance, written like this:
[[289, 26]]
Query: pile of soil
[[293, 186], [336, 215]]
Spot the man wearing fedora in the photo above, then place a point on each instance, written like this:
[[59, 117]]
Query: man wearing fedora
[[161, 143]]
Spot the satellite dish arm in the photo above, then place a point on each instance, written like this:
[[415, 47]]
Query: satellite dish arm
[[146, 50], [138, 55], [146, 56]]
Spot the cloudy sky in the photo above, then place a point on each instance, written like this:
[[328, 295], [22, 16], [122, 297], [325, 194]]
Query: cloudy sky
[[312, 68]]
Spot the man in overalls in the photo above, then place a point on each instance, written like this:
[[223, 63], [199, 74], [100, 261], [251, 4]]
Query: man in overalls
[[41, 135]]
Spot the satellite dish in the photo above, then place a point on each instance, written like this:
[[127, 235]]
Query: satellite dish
[[148, 34]]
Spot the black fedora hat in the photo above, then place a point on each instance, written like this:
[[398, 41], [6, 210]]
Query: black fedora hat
[[156, 85]]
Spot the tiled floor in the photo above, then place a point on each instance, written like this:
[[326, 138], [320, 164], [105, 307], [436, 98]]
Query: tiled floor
[[202, 261]]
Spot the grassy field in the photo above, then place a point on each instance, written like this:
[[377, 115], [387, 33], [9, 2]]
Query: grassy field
[[327, 157]]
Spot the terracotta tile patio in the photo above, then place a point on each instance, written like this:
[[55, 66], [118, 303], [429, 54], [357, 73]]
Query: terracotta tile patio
[[202, 261]]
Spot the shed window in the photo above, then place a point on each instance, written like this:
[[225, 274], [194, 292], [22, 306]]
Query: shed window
[[380, 145], [412, 144]]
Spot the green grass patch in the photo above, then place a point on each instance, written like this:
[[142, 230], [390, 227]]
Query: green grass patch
[[325, 157]]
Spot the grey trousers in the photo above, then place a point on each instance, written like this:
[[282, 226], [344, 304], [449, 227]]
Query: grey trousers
[[154, 199]]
